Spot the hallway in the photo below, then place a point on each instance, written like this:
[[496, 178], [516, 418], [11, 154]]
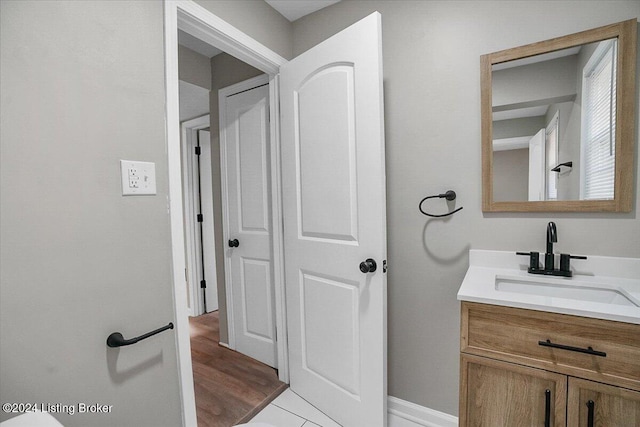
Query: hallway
[[230, 387]]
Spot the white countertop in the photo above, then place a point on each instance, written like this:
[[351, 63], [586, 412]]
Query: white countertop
[[609, 274]]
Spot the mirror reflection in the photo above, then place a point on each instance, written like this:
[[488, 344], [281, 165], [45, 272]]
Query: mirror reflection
[[554, 125]]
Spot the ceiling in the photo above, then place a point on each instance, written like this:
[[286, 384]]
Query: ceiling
[[295, 9]]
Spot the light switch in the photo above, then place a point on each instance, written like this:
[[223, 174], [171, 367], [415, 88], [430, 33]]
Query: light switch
[[138, 178]]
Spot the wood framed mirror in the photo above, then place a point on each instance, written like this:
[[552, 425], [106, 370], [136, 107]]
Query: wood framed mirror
[[558, 123]]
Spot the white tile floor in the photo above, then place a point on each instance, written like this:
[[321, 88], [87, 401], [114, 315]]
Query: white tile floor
[[290, 410]]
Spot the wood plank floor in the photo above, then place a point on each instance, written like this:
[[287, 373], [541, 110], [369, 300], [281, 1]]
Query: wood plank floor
[[230, 387]]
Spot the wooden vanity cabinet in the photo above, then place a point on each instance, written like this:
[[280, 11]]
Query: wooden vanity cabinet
[[507, 378], [505, 394], [612, 406]]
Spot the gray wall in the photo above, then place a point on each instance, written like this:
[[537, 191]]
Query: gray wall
[[194, 68], [511, 175], [194, 72], [194, 101], [225, 71], [83, 87], [432, 118]]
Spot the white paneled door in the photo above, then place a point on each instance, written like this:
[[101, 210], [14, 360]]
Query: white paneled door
[[198, 219], [245, 153], [333, 181], [208, 233]]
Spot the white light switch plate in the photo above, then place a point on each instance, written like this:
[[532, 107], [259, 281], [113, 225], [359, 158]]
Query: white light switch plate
[[138, 178]]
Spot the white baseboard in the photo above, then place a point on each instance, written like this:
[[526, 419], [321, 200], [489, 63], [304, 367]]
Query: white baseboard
[[223, 344], [407, 414]]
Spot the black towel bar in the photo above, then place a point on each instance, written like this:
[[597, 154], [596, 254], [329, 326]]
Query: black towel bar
[[117, 340]]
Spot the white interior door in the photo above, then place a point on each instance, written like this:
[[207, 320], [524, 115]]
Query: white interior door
[[537, 160], [333, 181], [198, 203], [245, 156], [208, 233]]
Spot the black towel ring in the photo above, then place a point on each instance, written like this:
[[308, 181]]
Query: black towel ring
[[449, 195]]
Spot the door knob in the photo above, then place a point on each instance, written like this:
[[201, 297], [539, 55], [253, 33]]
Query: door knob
[[234, 243], [368, 266]]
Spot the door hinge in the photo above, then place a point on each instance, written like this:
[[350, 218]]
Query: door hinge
[[203, 284], [200, 218], [197, 151], [384, 266]]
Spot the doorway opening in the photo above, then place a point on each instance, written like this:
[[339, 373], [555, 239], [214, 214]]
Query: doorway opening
[[334, 346], [230, 386], [180, 16]]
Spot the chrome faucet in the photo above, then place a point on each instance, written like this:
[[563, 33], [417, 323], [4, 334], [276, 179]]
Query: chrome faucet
[[552, 237]]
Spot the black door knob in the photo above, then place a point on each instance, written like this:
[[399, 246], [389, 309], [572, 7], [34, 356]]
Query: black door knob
[[368, 266], [234, 243]]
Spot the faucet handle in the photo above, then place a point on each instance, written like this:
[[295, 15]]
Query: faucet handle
[[565, 261], [534, 259]]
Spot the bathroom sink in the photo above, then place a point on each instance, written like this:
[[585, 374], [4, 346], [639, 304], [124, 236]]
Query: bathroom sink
[[601, 287], [567, 289]]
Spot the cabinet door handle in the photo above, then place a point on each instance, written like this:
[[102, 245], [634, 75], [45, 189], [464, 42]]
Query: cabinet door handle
[[590, 406], [547, 408], [588, 350]]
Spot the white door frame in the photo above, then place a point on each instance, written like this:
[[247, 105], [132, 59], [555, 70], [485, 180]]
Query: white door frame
[[189, 131], [198, 21], [222, 94]]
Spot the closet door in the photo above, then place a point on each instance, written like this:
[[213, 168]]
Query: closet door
[[245, 148]]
